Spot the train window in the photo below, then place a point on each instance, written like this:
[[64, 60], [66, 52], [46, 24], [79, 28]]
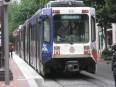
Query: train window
[[35, 26], [68, 28], [33, 33], [47, 30], [93, 31]]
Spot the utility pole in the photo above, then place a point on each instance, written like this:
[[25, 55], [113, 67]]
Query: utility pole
[[6, 70], [6, 47]]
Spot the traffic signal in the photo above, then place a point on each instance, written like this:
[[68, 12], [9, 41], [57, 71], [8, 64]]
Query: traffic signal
[[6, 2]]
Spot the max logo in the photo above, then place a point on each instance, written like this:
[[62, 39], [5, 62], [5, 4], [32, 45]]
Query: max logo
[[72, 49], [44, 48]]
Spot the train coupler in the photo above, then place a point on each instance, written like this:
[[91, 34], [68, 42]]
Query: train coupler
[[72, 66]]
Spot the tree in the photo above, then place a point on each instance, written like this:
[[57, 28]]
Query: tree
[[105, 13], [112, 5], [103, 16], [18, 13]]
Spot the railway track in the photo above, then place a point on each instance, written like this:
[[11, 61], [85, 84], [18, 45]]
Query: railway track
[[77, 80]]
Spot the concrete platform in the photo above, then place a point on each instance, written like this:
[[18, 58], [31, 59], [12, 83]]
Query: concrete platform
[[23, 74]]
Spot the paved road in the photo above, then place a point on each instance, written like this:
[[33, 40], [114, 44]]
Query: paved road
[[102, 78], [104, 69]]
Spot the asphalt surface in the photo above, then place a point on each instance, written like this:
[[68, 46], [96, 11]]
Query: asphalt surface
[[102, 78], [104, 70]]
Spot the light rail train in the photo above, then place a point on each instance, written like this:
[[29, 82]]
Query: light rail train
[[59, 37]]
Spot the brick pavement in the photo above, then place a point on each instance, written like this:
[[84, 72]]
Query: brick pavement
[[18, 78]]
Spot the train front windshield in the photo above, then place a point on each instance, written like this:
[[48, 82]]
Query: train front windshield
[[71, 28]]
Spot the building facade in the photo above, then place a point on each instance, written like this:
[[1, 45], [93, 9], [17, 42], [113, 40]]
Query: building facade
[[111, 37]]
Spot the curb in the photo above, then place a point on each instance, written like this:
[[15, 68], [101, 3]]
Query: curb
[[33, 78]]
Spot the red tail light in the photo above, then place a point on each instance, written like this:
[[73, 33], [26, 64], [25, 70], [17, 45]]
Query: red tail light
[[87, 50]]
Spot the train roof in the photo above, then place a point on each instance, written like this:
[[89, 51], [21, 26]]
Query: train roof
[[65, 3], [56, 3], [60, 3], [34, 16]]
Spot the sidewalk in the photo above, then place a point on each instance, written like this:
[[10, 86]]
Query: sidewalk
[[23, 74]]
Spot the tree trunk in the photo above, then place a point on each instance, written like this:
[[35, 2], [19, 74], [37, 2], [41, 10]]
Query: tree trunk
[[105, 32]]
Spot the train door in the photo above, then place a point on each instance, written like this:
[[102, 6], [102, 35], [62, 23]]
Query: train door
[[22, 45], [28, 45], [24, 33], [19, 45], [30, 41], [33, 46], [45, 45], [38, 44]]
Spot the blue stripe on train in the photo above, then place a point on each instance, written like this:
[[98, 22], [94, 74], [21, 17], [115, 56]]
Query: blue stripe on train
[[47, 48]]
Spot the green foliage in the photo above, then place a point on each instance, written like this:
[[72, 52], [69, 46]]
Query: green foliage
[[106, 53], [88, 3], [112, 5], [105, 10], [105, 13], [18, 13]]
